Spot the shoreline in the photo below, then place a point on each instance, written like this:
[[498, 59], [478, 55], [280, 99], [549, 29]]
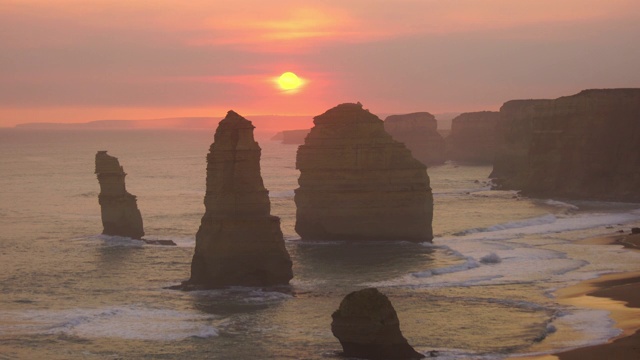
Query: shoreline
[[618, 293]]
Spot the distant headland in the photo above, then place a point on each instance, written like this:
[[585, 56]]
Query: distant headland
[[268, 123]]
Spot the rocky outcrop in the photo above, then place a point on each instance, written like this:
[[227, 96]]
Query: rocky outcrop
[[358, 183], [238, 242], [278, 136], [473, 137], [418, 131], [367, 326], [295, 137], [120, 214], [583, 146], [291, 137]]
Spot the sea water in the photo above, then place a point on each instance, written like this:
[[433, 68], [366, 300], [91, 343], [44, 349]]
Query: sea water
[[483, 290]]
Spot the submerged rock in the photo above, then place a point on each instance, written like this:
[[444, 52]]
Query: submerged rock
[[419, 132], [473, 137], [367, 326], [120, 214], [239, 242], [584, 146], [358, 183]]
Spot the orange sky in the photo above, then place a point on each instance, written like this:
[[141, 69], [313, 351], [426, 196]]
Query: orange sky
[[78, 60]]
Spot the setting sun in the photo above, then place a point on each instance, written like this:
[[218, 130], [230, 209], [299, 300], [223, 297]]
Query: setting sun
[[289, 81]]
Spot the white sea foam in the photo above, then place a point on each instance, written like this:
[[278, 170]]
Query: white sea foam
[[560, 204], [134, 322], [250, 295], [594, 327], [550, 224], [470, 263], [500, 254], [475, 190], [541, 220], [262, 296]]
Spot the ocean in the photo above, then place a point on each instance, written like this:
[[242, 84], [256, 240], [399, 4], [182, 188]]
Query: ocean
[[483, 290]]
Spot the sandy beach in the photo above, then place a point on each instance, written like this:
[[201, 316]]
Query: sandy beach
[[617, 293]]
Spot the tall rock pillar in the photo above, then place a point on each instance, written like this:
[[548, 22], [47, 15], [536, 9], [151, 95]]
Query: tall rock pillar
[[239, 243]]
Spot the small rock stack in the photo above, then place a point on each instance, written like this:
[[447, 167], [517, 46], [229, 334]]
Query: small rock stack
[[120, 214]]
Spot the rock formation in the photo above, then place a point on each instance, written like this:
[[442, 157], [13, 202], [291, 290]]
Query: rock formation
[[294, 136], [239, 242], [367, 326], [585, 146], [120, 214], [278, 136], [357, 183], [418, 131], [473, 137]]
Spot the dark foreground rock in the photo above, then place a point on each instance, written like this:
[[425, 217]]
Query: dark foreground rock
[[367, 326], [584, 146], [238, 243], [119, 209], [419, 132], [358, 183]]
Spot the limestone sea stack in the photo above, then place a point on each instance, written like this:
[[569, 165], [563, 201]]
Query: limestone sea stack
[[419, 132], [367, 326], [358, 183], [584, 146], [473, 137], [239, 243], [120, 213]]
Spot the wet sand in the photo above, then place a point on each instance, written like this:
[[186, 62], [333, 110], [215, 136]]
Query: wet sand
[[617, 293]]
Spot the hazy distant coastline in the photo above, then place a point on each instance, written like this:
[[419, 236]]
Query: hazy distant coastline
[[264, 123], [267, 122], [185, 122]]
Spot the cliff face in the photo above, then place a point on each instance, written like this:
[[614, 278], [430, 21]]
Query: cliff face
[[418, 131], [357, 183], [367, 326], [584, 146], [238, 242], [473, 137], [120, 214]]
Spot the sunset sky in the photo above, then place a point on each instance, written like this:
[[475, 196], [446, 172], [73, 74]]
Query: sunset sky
[[83, 60]]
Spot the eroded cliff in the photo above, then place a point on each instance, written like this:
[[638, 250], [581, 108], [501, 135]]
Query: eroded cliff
[[585, 146]]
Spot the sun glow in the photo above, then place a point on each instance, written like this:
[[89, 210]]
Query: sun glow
[[289, 81]]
